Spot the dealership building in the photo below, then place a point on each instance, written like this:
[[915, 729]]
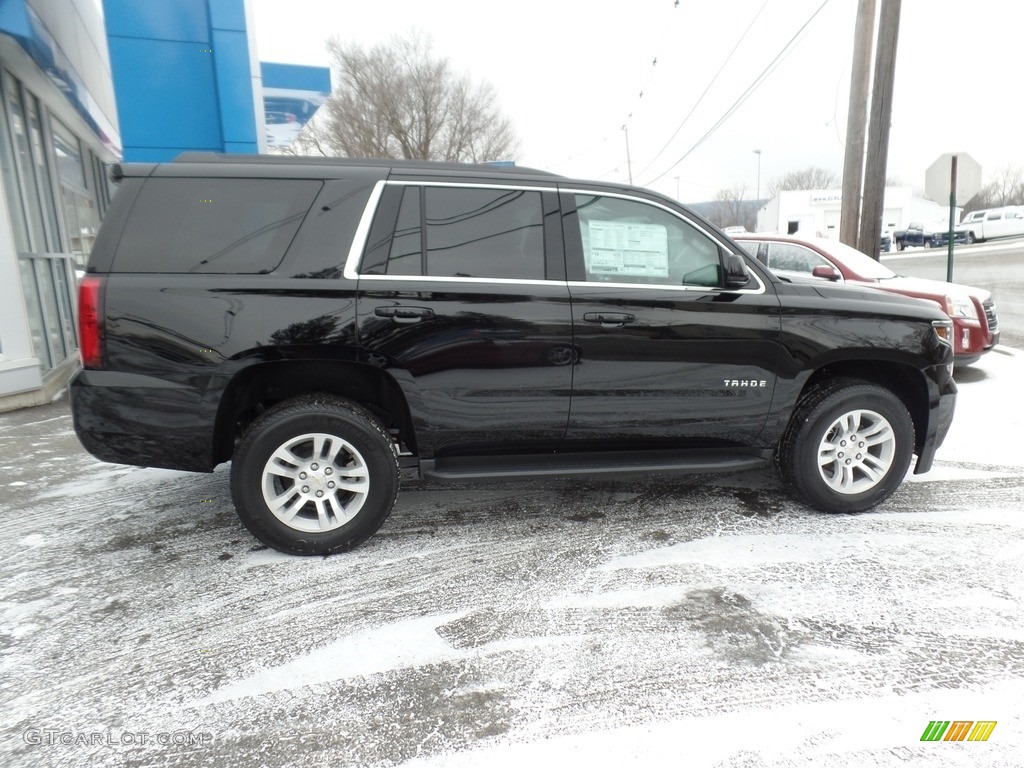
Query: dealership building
[[818, 211], [83, 86]]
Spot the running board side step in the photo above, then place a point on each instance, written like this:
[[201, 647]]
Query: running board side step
[[468, 468]]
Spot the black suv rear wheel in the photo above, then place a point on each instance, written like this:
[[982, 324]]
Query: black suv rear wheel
[[314, 475], [848, 446]]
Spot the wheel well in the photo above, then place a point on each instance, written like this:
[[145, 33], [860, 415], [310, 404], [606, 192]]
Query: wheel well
[[262, 385], [905, 381]]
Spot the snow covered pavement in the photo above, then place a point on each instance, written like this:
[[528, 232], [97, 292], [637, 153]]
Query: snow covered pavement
[[701, 622]]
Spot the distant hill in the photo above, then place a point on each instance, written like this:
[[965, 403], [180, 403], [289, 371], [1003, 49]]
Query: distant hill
[[721, 213]]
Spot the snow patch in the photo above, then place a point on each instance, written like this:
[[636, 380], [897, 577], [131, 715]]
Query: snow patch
[[816, 731], [105, 478], [749, 550], [957, 517], [392, 646], [264, 557], [944, 472]]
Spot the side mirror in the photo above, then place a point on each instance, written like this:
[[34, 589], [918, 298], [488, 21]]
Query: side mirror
[[826, 273], [736, 274]]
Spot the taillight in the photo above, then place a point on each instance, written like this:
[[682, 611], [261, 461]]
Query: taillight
[[90, 321]]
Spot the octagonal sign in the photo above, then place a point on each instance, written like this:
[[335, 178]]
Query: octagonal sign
[[968, 178]]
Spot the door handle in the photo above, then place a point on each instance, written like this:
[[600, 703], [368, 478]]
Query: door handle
[[609, 319], [402, 314]]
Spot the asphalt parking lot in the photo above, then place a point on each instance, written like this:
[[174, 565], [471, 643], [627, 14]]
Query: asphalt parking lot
[[699, 622]]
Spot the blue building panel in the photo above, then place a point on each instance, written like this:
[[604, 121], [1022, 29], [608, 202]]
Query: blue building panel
[[183, 76], [228, 14], [182, 20], [234, 81], [14, 19], [166, 95], [295, 77]]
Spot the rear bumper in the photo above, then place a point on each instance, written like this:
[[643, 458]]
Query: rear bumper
[[127, 418]]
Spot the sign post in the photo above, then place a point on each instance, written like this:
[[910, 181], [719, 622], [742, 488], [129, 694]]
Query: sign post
[[952, 217], [963, 174]]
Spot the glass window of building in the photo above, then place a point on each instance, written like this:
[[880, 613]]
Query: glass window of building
[[12, 189], [51, 312], [23, 177], [47, 200], [79, 205], [34, 308]]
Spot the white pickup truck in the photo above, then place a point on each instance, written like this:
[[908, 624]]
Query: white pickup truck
[[994, 222]]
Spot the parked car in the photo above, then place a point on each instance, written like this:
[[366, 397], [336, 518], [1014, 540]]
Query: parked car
[[961, 236], [927, 236], [975, 324], [994, 222], [330, 326], [886, 243]]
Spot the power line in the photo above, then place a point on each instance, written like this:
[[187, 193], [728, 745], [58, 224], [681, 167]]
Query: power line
[[706, 90], [645, 89], [765, 73]]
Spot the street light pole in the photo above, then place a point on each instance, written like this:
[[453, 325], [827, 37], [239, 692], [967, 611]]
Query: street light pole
[[629, 164], [758, 153]]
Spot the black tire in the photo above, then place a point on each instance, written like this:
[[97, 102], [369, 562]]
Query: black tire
[[315, 515], [826, 479], [970, 238], [899, 246]]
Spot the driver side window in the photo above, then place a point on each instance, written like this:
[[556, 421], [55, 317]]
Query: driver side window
[[625, 241], [794, 258]]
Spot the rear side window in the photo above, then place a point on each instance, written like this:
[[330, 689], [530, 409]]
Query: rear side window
[[484, 233], [457, 232], [240, 226]]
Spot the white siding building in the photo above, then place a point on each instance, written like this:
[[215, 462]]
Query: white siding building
[[818, 211]]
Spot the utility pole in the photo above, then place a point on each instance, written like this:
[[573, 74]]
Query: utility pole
[[878, 129], [856, 123]]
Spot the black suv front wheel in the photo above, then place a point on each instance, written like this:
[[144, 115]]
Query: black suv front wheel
[[314, 475], [848, 446]]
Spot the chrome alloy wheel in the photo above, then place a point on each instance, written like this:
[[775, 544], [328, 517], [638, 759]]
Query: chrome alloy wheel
[[315, 482], [856, 452]]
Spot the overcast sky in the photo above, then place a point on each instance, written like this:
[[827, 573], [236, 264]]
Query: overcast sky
[[570, 73]]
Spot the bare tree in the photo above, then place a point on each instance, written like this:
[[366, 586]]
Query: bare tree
[[1005, 188], [731, 210], [808, 178], [399, 100]]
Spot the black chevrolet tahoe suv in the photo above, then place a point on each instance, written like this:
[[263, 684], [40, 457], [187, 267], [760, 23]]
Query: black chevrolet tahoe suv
[[334, 326]]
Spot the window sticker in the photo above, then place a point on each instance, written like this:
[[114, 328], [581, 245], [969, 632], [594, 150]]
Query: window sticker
[[628, 249]]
